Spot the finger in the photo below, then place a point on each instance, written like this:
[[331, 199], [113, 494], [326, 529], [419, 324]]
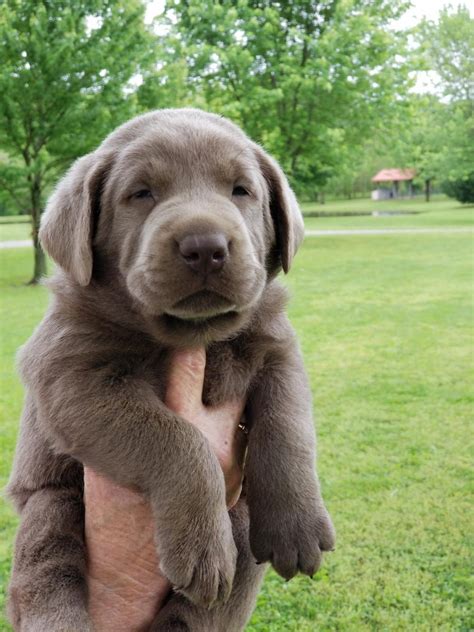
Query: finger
[[186, 379], [232, 496], [232, 410]]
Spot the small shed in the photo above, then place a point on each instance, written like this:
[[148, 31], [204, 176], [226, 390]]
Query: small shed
[[393, 177]]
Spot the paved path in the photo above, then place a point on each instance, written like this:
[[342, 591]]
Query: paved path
[[16, 243], [319, 233]]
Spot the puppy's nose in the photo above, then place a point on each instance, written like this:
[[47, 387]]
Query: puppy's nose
[[204, 253]]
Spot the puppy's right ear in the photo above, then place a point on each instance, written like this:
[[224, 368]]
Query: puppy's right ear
[[67, 224]]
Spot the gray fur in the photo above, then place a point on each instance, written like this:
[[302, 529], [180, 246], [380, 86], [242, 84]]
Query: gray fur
[[95, 373]]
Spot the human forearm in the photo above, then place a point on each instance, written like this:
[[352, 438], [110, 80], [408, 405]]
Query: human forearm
[[119, 524], [126, 588]]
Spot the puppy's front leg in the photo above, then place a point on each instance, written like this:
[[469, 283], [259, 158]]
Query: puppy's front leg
[[120, 428], [289, 525]]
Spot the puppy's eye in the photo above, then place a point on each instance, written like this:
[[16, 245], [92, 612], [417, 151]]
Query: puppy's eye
[[239, 191], [143, 194]]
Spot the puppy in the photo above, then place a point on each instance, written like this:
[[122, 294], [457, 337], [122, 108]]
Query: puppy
[[169, 235]]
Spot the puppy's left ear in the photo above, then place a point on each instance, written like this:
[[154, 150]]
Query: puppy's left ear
[[284, 208]]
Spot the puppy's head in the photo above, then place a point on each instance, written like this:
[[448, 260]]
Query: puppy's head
[[186, 213]]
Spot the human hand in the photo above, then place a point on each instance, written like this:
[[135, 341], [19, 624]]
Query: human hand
[[218, 424], [126, 588]]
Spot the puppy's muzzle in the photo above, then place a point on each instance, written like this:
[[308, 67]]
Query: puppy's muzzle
[[204, 253]]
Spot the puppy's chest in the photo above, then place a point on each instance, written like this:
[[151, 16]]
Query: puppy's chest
[[230, 369]]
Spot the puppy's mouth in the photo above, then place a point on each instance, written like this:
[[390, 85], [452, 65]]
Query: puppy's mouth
[[202, 307]]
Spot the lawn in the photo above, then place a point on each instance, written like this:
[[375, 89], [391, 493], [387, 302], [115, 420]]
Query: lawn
[[440, 212], [358, 205], [12, 231], [385, 324]]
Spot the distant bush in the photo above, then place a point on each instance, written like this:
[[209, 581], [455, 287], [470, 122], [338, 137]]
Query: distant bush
[[462, 189]]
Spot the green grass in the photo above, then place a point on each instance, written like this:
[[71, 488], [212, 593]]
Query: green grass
[[385, 324], [440, 212], [366, 204], [15, 219], [11, 231]]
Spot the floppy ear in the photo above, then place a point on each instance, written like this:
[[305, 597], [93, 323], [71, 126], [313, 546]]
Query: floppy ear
[[285, 211], [67, 224]]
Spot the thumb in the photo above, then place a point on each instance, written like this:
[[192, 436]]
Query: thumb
[[186, 380]]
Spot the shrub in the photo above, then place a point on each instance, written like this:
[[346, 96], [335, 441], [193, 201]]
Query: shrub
[[461, 189]]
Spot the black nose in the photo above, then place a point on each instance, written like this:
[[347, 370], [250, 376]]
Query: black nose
[[204, 253]]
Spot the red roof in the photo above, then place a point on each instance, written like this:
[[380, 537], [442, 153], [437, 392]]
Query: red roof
[[392, 175]]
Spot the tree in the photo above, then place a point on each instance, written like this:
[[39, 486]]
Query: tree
[[420, 138], [64, 69], [14, 198], [305, 78], [433, 133], [449, 47], [405, 136], [461, 189]]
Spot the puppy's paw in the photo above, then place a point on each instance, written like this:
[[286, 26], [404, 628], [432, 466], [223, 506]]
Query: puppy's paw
[[201, 565], [292, 539]]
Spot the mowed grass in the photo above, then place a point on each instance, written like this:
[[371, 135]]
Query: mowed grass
[[355, 205], [13, 231], [385, 324], [441, 212]]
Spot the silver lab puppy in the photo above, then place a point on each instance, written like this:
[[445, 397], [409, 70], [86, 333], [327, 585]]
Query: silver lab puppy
[[169, 235]]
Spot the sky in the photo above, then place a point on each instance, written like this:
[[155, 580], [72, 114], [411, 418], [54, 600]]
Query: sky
[[420, 9], [429, 9]]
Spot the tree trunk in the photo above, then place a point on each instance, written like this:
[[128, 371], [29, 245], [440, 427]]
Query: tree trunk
[[427, 189], [39, 269]]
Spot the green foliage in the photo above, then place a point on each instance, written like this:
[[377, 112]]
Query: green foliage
[[14, 194], [434, 137], [303, 78], [461, 189], [449, 46], [168, 84], [433, 133], [456, 155], [64, 72]]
